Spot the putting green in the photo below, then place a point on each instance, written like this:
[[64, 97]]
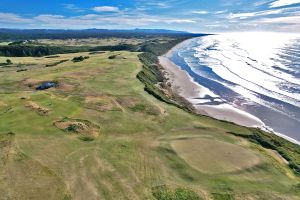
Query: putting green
[[213, 156]]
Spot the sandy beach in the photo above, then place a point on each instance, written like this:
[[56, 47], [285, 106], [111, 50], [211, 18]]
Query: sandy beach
[[201, 97]]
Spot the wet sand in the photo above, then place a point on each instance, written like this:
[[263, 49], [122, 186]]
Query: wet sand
[[186, 87]]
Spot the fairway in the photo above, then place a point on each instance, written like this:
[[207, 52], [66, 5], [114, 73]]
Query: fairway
[[98, 135], [198, 153], [150, 100]]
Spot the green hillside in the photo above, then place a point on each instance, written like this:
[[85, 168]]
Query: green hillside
[[99, 134]]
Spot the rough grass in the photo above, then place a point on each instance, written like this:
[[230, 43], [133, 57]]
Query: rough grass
[[155, 84], [132, 154], [84, 128], [25, 178], [90, 42], [164, 193]]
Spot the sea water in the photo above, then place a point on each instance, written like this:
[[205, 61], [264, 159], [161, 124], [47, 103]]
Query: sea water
[[255, 72]]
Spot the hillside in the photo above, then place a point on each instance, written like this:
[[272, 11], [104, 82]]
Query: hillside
[[108, 128]]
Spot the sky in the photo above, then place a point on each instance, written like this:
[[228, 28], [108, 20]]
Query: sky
[[205, 16]]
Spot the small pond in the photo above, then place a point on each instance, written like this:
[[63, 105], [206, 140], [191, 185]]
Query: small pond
[[46, 85]]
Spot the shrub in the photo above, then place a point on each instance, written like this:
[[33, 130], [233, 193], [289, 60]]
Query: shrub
[[87, 138], [185, 194], [8, 62], [164, 193], [56, 63], [217, 196], [138, 108], [73, 128], [78, 59], [112, 57]]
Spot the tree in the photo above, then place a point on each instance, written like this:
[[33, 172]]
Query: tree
[[39, 54], [78, 59], [8, 62]]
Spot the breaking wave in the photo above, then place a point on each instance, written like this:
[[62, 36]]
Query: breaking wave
[[256, 72]]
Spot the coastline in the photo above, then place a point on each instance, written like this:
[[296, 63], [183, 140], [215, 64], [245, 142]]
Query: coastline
[[184, 85]]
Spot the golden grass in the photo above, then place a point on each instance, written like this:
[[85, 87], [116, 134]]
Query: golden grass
[[81, 127], [2, 104], [91, 41], [129, 156], [37, 108], [227, 157]]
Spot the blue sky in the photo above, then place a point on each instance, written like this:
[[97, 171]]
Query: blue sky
[[188, 15]]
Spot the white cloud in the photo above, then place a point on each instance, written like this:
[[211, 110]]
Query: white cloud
[[106, 9], [254, 14], [262, 2], [89, 16], [73, 7], [228, 3], [169, 21], [101, 21], [216, 25], [13, 18], [45, 18], [285, 24], [220, 12], [282, 20], [163, 5], [201, 12], [280, 3], [154, 4], [241, 15]]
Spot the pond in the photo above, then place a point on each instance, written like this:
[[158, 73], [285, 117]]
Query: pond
[[46, 85]]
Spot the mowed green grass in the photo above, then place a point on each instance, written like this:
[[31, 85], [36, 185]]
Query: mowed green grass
[[198, 153], [142, 142]]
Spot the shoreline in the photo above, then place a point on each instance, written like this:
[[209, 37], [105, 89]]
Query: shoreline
[[184, 85]]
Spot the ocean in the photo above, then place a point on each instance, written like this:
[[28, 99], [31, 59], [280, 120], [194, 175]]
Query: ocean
[[257, 73]]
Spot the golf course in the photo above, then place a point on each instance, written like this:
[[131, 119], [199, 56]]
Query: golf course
[[83, 126]]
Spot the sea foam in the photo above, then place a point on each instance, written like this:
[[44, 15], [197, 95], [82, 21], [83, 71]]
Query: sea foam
[[261, 71]]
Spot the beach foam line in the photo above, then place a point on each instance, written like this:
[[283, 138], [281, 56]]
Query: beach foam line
[[183, 84], [187, 87], [270, 130]]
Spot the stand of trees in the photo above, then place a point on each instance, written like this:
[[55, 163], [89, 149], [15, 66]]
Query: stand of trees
[[32, 34], [39, 51], [20, 50], [34, 51]]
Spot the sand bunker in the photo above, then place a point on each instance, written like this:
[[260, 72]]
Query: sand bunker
[[35, 107], [127, 102], [77, 126], [213, 156], [31, 82], [2, 104]]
